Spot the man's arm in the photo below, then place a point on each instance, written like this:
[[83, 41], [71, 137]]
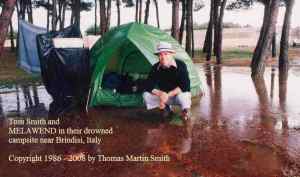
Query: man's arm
[[157, 92], [174, 92], [184, 80], [151, 80]]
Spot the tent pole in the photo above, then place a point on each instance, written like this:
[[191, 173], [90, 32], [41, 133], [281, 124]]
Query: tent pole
[[87, 102]]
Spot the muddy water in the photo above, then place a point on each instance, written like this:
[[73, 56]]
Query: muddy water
[[240, 127]]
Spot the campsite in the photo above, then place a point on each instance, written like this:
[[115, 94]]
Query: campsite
[[73, 104]]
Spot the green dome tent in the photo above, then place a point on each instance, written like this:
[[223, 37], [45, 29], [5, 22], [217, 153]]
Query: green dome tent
[[129, 49]]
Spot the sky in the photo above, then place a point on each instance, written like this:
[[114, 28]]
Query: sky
[[252, 16]]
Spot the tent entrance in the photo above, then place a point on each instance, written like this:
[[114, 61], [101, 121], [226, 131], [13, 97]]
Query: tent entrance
[[136, 65]]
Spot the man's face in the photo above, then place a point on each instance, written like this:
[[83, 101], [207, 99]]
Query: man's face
[[165, 58]]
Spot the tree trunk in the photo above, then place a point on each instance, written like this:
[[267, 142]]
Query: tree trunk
[[137, 10], [182, 23], [95, 18], [18, 10], [5, 18], [209, 44], [72, 14], [118, 11], [60, 3], [12, 42], [216, 26], [208, 34], [77, 13], [22, 6], [102, 17], [193, 40], [18, 20], [270, 20], [29, 11], [54, 15], [147, 12], [48, 16], [140, 11], [108, 15], [63, 15], [263, 28], [175, 19], [284, 43], [188, 27], [157, 13], [220, 33]]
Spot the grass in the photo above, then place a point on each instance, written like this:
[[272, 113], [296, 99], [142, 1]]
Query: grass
[[10, 73], [240, 54]]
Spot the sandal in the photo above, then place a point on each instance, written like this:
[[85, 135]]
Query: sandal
[[186, 115]]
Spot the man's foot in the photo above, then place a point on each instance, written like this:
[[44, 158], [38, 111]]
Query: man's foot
[[186, 115], [167, 112]]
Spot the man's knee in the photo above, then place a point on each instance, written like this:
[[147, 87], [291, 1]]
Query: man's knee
[[184, 99], [146, 95], [151, 101]]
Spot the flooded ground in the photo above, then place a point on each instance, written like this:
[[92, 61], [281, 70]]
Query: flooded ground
[[240, 128]]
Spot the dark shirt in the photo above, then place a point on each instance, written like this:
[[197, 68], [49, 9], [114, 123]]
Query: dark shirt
[[167, 79]]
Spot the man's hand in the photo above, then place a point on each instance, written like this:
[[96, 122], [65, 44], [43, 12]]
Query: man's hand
[[163, 97]]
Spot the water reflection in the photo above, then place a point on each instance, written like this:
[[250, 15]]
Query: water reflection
[[24, 100], [214, 82], [262, 93], [217, 95], [272, 85], [1, 108], [18, 100], [283, 80], [266, 106], [27, 96], [35, 95]]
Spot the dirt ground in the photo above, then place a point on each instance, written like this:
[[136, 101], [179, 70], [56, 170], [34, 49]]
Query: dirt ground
[[9, 72]]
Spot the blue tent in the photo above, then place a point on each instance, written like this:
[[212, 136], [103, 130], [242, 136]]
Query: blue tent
[[28, 58]]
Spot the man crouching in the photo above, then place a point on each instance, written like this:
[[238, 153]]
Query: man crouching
[[168, 83]]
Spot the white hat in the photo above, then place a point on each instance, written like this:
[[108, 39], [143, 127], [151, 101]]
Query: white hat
[[164, 47]]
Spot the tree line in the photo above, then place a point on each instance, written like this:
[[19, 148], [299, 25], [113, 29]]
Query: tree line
[[56, 15]]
